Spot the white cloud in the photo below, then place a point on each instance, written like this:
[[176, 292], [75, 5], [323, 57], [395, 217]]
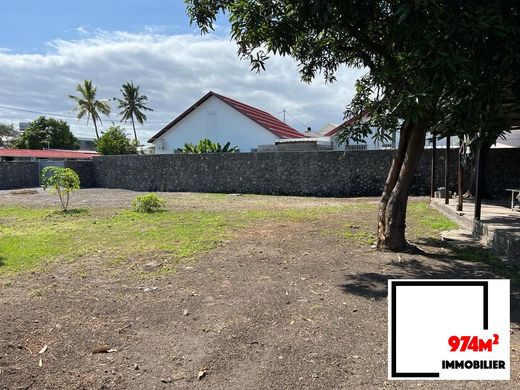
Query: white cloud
[[173, 70]]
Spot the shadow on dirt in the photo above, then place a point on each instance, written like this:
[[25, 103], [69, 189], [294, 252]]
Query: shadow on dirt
[[454, 263]]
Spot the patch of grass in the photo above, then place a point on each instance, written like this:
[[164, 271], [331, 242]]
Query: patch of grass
[[487, 256], [425, 222], [308, 213], [71, 212], [29, 237], [360, 235], [32, 236]]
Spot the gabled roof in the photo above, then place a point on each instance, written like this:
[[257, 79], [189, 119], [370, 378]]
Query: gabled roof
[[348, 122], [339, 127], [264, 119], [46, 153]]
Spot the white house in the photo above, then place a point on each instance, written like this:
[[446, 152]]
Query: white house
[[369, 144], [222, 120]]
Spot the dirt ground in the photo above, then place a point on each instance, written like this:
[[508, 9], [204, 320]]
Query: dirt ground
[[280, 306]]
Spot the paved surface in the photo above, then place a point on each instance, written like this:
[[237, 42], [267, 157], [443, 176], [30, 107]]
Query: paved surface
[[498, 228]]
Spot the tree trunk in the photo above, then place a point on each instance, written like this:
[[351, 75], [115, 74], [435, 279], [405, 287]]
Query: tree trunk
[[471, 190], [133, 125], [392, 208], [391, 180], [95, 127]]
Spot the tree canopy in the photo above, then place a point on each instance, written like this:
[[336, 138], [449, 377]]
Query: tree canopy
[[44, 133], [451, 67], [115, 141]]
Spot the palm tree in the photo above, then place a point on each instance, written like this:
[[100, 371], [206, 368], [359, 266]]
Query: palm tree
[[86, 103], [132, 105]]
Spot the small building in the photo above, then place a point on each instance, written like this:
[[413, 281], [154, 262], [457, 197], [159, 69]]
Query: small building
[[45, 154], [22, 126], [369, 144], [86, 143], [222, 119], [298, 145]]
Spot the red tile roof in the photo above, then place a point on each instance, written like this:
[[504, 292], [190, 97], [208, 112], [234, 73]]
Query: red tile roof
[[264, 119], [47, 153]]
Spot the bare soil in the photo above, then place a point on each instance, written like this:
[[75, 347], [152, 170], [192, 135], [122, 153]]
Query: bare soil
[[280, 306]]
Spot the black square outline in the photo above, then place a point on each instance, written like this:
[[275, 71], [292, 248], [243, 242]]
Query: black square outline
[[393, 320]]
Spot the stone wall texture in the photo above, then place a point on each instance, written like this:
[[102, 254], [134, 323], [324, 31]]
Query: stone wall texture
[[315, 173], [18, 174], [318, 173], [26, 174], [85, 171]]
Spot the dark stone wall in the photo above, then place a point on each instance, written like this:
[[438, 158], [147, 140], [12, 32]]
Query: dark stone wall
[[18, 174], [316, 173], [325, 173], [26, 174], [85, 171], [285, 173]]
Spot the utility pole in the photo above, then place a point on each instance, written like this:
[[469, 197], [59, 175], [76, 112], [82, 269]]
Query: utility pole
[[284, 111]]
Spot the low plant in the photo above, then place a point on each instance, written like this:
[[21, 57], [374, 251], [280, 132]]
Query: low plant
[[207, 146], [149, 203], [61, 181]]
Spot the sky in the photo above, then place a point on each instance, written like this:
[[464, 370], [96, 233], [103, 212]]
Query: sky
[[48, 47]]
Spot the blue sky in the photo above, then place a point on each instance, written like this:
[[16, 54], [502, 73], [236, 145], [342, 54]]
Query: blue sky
[[27, 25], [47, 47]]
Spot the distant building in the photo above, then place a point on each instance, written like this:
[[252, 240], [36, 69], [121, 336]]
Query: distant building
[[22, 126], [297, 145], [328, 127], [369, 144], [87, 143]]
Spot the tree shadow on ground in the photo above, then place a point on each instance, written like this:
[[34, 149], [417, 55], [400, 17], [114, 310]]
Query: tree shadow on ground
[[2, 261], [451, 263]]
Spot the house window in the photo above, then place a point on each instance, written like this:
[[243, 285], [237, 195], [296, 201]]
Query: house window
[[357, 147]]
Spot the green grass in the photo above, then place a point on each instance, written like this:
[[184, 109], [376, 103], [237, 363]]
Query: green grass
[[359, 235], [30, 237], [425, 222]]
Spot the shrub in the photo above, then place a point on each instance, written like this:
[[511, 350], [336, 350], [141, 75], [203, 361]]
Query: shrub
[[149, 203], [207, 146], [62, 181], [114, 141]]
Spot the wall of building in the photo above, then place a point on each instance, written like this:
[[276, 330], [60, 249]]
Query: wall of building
[[219, 122]]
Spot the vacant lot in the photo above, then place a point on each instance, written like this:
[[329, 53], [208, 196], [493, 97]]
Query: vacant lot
[[254, 292]]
